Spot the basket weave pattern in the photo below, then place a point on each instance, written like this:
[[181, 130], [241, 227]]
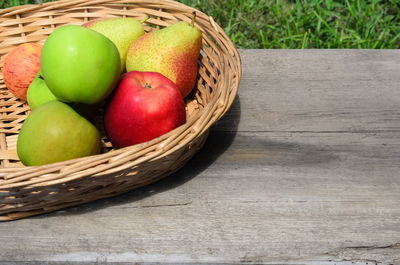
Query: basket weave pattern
[[26, 191]]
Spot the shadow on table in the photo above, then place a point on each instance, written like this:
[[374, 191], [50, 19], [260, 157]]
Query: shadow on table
[[221, 136]]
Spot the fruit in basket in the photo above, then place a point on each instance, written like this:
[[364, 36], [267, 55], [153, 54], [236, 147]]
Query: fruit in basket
[[54, 132], [122, 31], [172, 51], [20, 68], [79, 64], [38, 93], [145, 105]]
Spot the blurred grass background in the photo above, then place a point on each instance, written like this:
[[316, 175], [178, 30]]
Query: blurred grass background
[[297, 24]]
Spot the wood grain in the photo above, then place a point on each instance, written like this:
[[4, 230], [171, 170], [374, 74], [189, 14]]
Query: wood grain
[[303, 169]]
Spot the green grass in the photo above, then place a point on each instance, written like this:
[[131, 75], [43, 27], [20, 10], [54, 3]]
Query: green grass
[[372, 24]]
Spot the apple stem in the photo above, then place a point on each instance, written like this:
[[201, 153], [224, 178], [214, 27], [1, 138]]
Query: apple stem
[[194, 18], [144, 20], [147, 85]]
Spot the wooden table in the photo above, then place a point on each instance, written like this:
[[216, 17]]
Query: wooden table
[[303, 169]]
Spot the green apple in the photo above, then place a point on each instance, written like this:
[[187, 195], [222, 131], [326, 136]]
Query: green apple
[[55, 132], [38, 92], [80, 65], [122, 31]]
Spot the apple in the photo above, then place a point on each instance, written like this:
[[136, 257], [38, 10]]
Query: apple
[[145, 105], [38, 92], [20, 68], [80, 65], [55, 132]]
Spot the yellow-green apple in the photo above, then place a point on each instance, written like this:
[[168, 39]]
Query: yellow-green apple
[[54, 132], [38, 92], [80, 65], [122, 31], [20, 68], [172, 51], [144, 106]]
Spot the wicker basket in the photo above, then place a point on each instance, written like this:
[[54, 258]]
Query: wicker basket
[[26, 191]]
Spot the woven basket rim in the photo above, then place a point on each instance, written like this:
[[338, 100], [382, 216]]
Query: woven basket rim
[[218, 49]]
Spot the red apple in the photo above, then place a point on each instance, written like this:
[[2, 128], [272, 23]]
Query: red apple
[[144, 106], [20, 68]]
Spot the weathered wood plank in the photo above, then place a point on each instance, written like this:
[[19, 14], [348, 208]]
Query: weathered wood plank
[[299, 171], [329, 90]]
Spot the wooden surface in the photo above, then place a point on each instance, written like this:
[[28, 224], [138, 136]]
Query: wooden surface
[[304, 169]]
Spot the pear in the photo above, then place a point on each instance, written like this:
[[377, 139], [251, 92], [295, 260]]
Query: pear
[[172, 51], [38, 92], [55, 132], [122, 31]]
